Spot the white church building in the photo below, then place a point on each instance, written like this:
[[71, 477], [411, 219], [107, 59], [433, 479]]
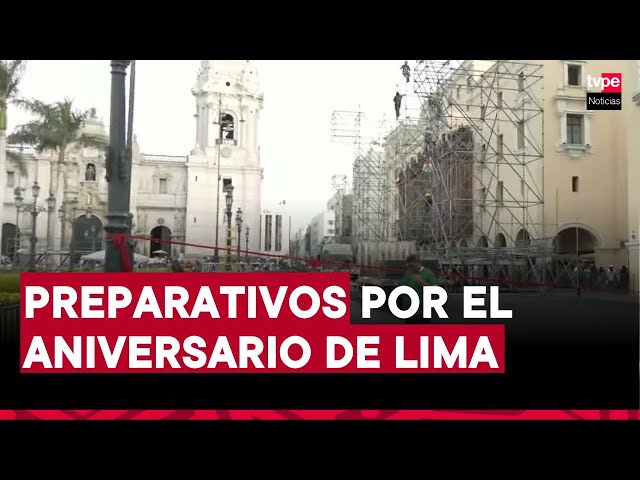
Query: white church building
[[172, 197]]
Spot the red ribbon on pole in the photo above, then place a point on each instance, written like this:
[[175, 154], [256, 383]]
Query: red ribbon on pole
[[120, 242]]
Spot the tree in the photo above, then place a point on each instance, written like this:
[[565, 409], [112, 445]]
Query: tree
[[11, 72], [55, 127]]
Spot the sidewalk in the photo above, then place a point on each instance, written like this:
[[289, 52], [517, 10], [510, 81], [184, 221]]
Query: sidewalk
[[600, 296]]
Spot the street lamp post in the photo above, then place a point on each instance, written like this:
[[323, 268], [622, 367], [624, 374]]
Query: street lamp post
[[51, 209], [16, 247], [239, 225], [229, 199], [132, 229], [73, 206], [289, 242], [62, 215], [35, 210], [631, 281], [216, 255], [118, 170], [246, 244]]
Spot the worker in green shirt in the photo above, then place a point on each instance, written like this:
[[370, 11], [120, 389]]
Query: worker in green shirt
[[416, 277]]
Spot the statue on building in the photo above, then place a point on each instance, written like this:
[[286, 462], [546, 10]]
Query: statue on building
[[397, 101], [406, 70], [90, 173]]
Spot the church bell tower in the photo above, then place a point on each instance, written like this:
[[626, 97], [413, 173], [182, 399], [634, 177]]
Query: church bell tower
[[228, 104]]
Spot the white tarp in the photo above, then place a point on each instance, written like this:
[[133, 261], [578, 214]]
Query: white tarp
[[99, 257]]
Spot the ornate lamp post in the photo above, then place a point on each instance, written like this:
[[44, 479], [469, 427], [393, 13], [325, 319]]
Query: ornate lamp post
[[62, 216], [229, 200], [51, 210], [73, 205], [35, 210], [239, 226], [16, 247], [246, 243]]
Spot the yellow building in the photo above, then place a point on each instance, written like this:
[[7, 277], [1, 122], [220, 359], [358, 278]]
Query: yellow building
[[545, 178], [631, 109], [591, 176]]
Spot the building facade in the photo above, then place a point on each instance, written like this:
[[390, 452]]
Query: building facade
[[275, 232], [591, 163], [342, 206], [179, 203], [322, 231]]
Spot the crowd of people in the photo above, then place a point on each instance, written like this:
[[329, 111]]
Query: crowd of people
[[600, 278], [178, 266]]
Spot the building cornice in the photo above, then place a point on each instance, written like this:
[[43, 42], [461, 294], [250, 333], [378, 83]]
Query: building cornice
[[573, 98]]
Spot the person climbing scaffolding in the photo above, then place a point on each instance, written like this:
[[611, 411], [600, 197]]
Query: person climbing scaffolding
[[406, 70], [397, 101]]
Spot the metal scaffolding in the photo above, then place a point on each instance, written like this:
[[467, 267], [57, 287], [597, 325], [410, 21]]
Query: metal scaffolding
[[340, 187], [371, 190], [460, 171], [477, 187]]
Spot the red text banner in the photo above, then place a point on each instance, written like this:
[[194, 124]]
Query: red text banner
[[230, 323]]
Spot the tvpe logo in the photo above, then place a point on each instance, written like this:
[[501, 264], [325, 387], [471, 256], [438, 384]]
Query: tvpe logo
[[608, 95]]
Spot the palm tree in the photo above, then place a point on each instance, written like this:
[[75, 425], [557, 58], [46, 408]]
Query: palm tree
[[55, 127], [11, 72]]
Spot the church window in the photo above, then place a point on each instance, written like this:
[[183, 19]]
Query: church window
[[163, 185], [227, 132], [90, 173]]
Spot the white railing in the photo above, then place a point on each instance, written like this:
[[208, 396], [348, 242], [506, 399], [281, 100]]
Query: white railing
[[164, 158], [21, 150]]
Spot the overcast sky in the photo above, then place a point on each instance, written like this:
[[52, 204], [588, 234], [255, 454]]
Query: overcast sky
[[298, 153]]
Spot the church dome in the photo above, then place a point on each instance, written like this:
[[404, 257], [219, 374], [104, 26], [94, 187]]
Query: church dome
[[94, 126]]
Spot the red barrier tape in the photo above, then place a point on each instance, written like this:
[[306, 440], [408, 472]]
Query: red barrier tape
[[121, 244]]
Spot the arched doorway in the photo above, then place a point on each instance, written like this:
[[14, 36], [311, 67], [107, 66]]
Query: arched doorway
[[86, 236], [160, 237], [578, 245], [483, 242], [463, 243], [501, 241], [523, 239], [575, 240], [9, 239]]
